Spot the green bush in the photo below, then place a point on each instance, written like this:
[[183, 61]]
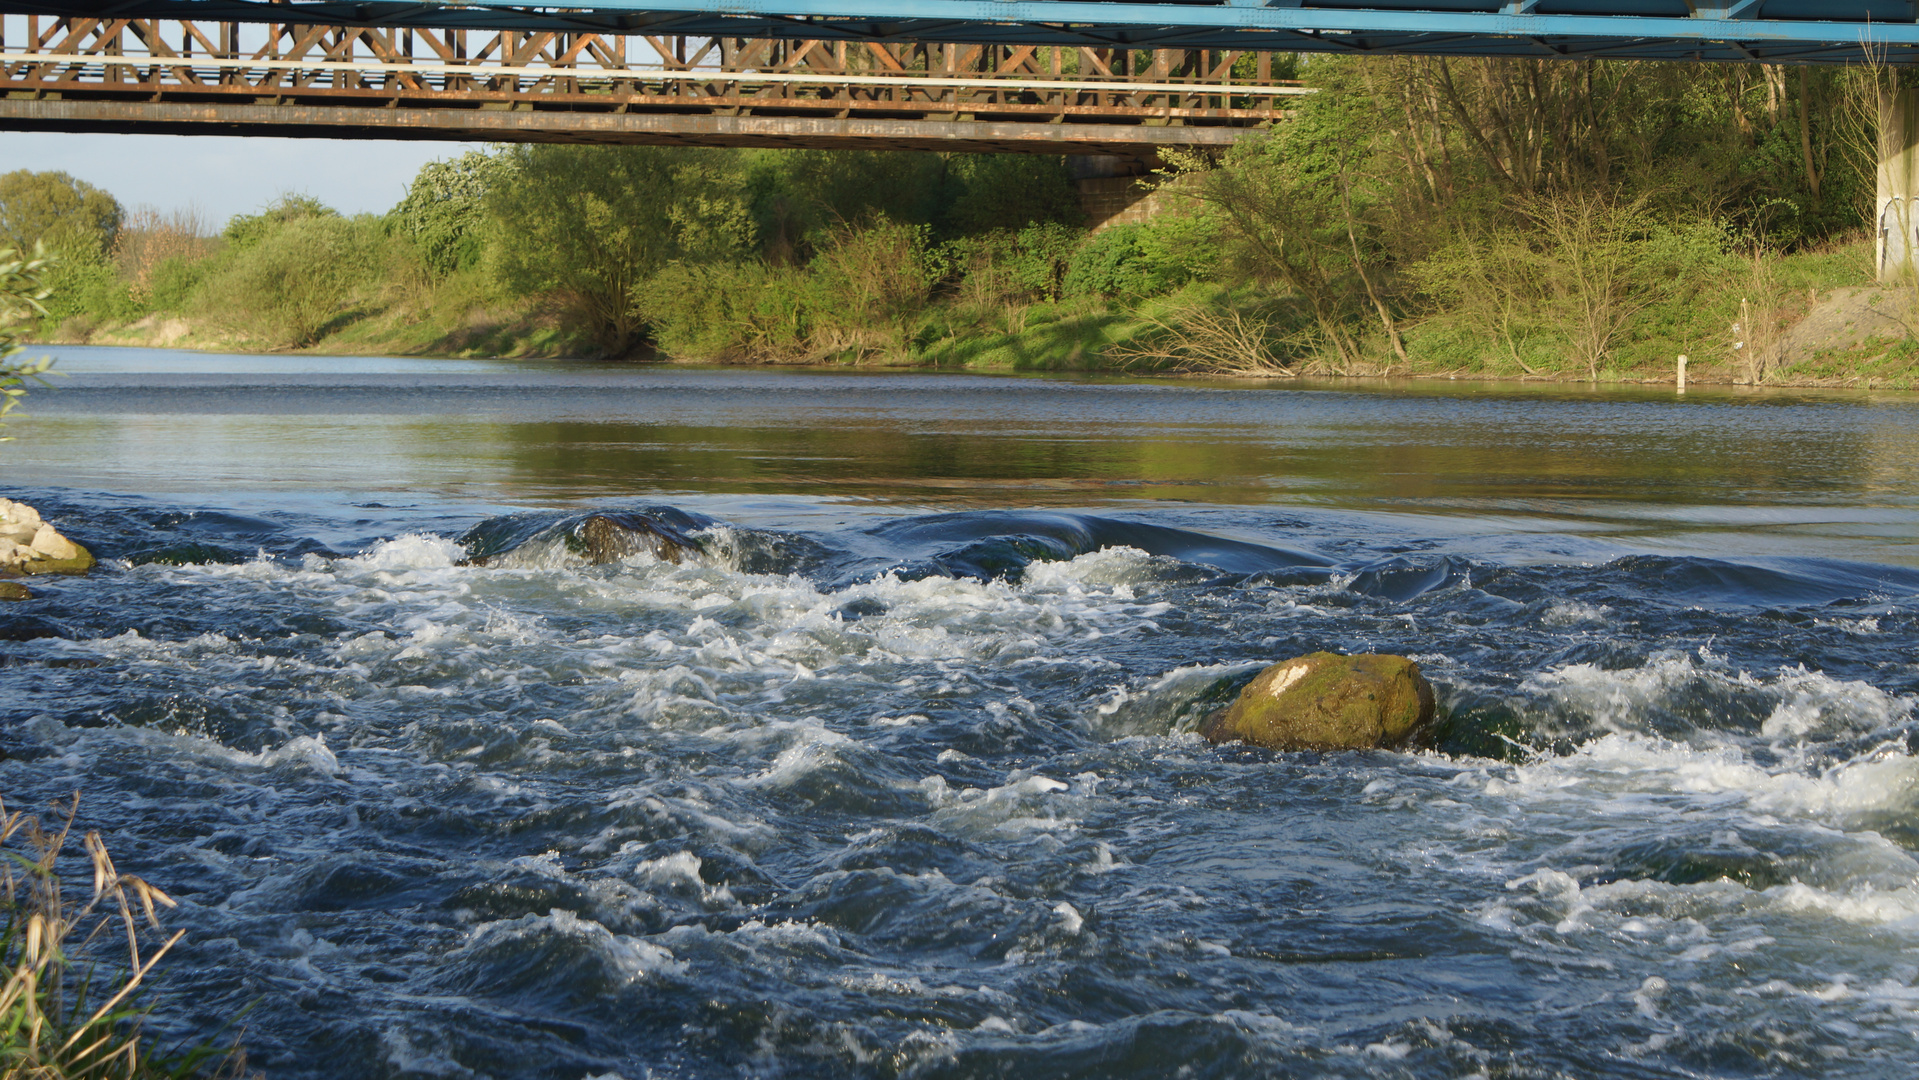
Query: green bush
[[1122, 262], [734, 311], [444, 210], [588, 225], [245, 231], [858, 298], [172, 282], [1577, 279], [1009, 191], [1008, 266], [799, 198], [88, 290], [23, 294], [292, 281]]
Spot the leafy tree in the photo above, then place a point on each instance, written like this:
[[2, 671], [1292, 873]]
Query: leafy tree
[[1010, 191], [85, 293], [67, 216], [1013, 266], [22, 289], [244, 231], [293, 280], [857, 298], [1124, 262], [801, 197], [589, 225], [445, 208]]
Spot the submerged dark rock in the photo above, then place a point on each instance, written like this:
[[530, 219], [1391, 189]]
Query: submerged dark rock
[[1325, 701], [597, 538], [606, 538]]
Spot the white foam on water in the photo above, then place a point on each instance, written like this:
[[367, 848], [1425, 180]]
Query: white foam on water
[[410, 1060], [1812, 702], [1864, 905], [1627, 790], [1154, 709], [308, 750], [412, 551], [687, 812], [1070, 920], [1617, 700], [813, 748], [633, 959], [1573, 612], [679, 875], [1804, 702], [1024, 805], [1614, 774]]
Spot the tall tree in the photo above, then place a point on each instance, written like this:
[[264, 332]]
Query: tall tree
[[588, 225], [70, 217]]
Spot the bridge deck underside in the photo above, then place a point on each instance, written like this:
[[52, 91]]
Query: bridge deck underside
[[660, 129]]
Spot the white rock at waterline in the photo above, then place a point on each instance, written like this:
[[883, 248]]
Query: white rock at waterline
[[18, 522], [29, 545], [49, 544], [20, 512]]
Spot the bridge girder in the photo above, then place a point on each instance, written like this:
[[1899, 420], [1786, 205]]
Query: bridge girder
[[295, 79], [1769, 31]]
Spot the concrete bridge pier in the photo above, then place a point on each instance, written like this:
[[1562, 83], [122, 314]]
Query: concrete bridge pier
[[1898, 201]]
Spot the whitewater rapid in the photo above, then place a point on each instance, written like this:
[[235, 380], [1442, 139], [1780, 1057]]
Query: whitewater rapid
[[919, 796]]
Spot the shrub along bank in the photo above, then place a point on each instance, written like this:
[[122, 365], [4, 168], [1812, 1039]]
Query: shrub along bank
[[1533, 219]]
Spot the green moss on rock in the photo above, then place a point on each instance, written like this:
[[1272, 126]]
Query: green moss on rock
[[79, 564], [1326, 701]]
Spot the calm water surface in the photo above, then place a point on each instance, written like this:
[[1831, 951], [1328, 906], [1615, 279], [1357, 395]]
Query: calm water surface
[[897, 778]]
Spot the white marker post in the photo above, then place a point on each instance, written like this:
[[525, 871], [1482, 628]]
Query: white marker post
[[1682, 374]]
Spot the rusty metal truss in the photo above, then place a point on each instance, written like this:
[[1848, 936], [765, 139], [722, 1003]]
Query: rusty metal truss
[[100, 74], [1735, 31]]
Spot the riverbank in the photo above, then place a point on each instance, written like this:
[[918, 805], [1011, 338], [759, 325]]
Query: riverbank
[[1372, 233], [1820, 322]]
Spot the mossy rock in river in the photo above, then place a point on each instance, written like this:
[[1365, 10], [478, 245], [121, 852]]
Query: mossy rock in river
[[80, 563], [1326, 701], [13, 590], [597, 538], [609, 538]]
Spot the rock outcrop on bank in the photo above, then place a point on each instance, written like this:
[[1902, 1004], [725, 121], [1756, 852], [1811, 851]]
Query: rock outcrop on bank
[[29, 545], [1326, 701]]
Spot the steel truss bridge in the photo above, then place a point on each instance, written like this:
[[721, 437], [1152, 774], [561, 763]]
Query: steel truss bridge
[[190, 76], [1073, 76], [1772, 31]]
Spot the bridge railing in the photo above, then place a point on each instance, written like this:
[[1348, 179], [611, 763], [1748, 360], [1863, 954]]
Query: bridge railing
[[156, 59]]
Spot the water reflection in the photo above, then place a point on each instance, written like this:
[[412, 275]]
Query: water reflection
[[1635, 460]]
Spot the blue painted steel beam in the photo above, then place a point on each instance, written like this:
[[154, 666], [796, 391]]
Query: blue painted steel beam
[[1774, 31]]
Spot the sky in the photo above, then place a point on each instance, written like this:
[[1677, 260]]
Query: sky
[[226, 175]]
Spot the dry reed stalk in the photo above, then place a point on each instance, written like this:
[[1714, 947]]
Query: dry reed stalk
[[1209, 341], [148, 238], [50, 1028]]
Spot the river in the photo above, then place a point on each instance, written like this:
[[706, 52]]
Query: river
[[899, 779]]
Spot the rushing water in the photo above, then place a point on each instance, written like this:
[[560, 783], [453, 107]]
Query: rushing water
[[899, 779]]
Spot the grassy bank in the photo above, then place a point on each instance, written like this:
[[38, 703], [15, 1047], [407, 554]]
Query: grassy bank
[[1586, 221], [1830, 326]]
